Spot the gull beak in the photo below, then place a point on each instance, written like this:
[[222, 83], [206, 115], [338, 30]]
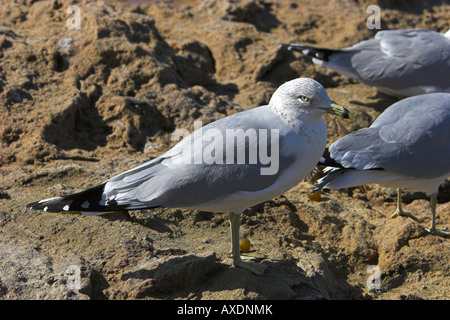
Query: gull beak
[[339, 111]]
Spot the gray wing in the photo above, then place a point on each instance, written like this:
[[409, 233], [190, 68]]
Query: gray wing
[[404, 58], [411, 137], [176, 179]]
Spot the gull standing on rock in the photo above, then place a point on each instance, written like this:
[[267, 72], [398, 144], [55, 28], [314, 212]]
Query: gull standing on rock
[[407, 146], [290, 127], [401, 63]]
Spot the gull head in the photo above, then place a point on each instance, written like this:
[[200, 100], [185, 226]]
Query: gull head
[[304, 99]]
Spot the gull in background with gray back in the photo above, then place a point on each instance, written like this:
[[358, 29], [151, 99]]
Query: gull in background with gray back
[[400, 63], [173, 180], [407, 146]]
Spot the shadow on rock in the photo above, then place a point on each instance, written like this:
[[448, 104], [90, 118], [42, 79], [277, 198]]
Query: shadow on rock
[[203, 277]]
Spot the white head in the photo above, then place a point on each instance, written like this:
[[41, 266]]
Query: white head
[[447, 34], [303, 99]]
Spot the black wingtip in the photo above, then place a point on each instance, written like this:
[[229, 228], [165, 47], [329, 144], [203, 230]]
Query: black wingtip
[[32, 205], [318, 53], [330, 176], [51, 205], [328, 161], [88, 200]]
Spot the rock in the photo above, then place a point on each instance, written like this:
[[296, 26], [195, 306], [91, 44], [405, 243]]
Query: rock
[[161, 276], [27, 274], [79, 106]]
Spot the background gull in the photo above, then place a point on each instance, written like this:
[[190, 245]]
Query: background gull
[[397, 62], [407, 146], [174, 180]]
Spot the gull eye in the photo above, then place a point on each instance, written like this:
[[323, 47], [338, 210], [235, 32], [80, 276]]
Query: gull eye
[[303, 98]]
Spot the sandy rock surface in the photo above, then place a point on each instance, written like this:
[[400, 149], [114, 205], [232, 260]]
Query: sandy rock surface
[[79, 106]]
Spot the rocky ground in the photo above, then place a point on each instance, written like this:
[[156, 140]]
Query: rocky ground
[[81, 105]]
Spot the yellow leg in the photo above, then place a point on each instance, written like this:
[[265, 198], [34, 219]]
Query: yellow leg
[[432, 229], [235, 222], [399, 211]]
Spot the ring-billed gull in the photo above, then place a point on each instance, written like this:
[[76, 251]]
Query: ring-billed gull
[[398, 62], [407, 146], [206, 171]]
